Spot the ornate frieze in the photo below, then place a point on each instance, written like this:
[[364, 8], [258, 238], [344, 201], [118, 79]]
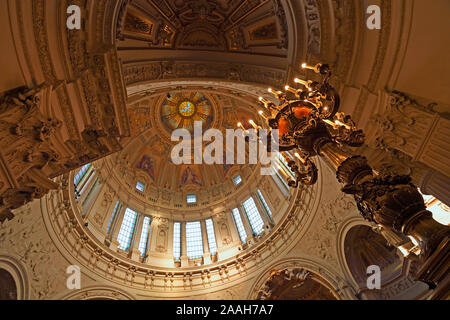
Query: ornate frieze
[[314, 28], [76, 116], [159, 70], [207, 25], [405, 127]]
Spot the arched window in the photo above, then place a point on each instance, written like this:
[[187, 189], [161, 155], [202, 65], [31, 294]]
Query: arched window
[[127, 229], [8, 288], [237, 180], [140, 186], [211, 236], [194, 241], [261, 197], [239, 225], [143, 243], [191, 198], [177, 241], [81, 174], [254, 217], [81, 179]]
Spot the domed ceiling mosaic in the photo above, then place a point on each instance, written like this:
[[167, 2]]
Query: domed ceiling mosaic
[[182, 109], [147, 155]]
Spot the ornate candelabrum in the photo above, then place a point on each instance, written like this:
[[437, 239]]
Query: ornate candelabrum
[[309, 124]]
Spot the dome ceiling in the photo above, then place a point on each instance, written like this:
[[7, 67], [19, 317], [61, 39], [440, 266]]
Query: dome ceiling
[[237, 25], [182, 109], [237, 40], [167, 110], [240, 43], [147, 156]]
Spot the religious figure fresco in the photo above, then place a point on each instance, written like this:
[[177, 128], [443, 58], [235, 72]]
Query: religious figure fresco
[[148, 165], [189, 177]]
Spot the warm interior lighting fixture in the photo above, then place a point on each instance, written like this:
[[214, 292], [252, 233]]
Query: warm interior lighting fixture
[[310, 123]]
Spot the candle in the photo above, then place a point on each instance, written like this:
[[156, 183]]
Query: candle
[[264, 101], [304, 82], [244, 131], [261, 113], [315, 68], [342, 124], [253, 124], [331, 123], [275, 93], [300, 158], [288, 88]]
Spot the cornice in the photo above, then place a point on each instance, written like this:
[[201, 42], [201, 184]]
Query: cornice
[[66, 228]]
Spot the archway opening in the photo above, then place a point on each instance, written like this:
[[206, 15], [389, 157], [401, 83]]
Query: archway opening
[[8, 288]]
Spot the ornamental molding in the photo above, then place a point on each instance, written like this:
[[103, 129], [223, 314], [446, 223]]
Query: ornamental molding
[[182, 70], [26, 238], [301, 268], [75, 104], [14, 265], [98, 293], [77, 244]]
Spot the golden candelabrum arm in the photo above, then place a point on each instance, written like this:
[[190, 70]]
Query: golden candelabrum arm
[[312, 124]]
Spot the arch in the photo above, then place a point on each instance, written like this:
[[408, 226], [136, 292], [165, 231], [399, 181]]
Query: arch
[[8, 288], [99, 293], [361, 247], [17, 273], [304, 268], [342, 232]]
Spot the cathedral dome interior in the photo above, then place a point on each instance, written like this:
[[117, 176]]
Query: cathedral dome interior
[[95, 96]]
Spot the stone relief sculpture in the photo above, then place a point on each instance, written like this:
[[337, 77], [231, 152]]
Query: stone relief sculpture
[[161, 240], [221, 221], [277, 277]]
